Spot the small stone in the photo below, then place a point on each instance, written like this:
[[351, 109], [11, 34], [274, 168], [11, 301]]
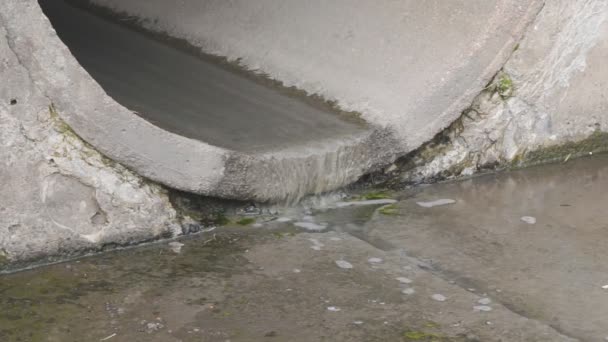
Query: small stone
[[404, 280], [344, 264], [408, 291], [358, 322], [529, 219], [283, 219], [296, 270], [333, 308], [439, 297], [257, 225], [482, 308], [484, 301], [374, 260], [605, 287]]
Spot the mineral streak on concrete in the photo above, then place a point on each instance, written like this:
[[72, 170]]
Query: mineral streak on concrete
[[186, 95]]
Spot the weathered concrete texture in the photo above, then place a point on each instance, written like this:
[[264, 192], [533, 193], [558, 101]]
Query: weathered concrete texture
[[60, 196], [411, 66], [550, 103]]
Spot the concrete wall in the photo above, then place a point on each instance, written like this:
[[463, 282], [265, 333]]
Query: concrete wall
[[557, 107], [60, 197]]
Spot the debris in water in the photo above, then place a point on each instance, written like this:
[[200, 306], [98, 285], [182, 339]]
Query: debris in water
[[316, 245], [484, 301], [605, 287], [358, 322], [108, 337], [333, 308], [529, 219], [408, 291], [310, 226], [404, 280], [344, 264], [176, 247], [439, 297], [374, 260], [297, 270], [367, 202], [484, 308], [439, 202]]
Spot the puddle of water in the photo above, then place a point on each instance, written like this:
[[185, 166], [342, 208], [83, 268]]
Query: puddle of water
[[54, 302], [83, 297]]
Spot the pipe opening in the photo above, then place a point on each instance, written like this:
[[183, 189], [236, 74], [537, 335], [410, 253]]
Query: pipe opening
[[185, 94]]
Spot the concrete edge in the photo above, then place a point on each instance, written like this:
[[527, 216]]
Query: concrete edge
[[176, 161]]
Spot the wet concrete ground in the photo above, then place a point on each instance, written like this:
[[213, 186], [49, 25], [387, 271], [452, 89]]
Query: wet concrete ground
[[519, 256], [187, 94]]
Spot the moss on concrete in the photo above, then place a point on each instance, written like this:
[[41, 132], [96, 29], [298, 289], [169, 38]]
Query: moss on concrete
[[504, 86]]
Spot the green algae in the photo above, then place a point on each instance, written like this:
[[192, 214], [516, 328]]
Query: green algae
[[504, 86], [374, 195], [413, 335], [245, 221], [390, 209]]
